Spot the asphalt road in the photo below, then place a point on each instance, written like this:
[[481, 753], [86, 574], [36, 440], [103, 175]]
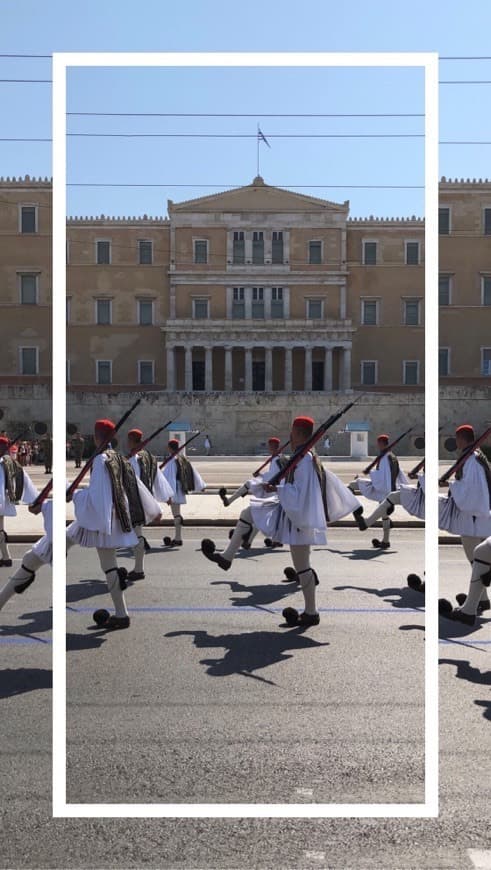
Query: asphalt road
[[238, 708]]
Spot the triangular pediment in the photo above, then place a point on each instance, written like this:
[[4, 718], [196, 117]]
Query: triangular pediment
[[257, 197]]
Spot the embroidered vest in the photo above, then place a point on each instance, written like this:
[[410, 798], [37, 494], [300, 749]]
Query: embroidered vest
[[123, 482], [14, 478], [184, 473], [148, 468]]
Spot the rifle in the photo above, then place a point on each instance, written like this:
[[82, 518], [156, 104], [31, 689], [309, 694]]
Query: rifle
[[166, 461], [302, 451], [43, 495], [147, 440], [389, 447], [465, 456], [415, 471], [270, 458], [73, 486]]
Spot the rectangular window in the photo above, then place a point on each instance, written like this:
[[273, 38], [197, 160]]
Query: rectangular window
[[411, 373], [443, 361], [317, 375], [145, 252], [487, 221], [369, 373], [29, 360], [103, 253], [444, 289], [103, 312], [28, 289], [315, 253], [68, 308], [369, 312], [145, 312], [200, 309], [444, 221], [198, 375], [314, 309], [257, 248], [28, 219], [145, 372], [486, 290], [277, 248], [412, 253], [411, 312], [239, 249], [258, 375], [104, 374], [238, 304], [277, 311], [486, 361], [200, 251], [369, 253], [258, 303]]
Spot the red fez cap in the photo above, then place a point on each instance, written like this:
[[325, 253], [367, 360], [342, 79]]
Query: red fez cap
[[174, 443], [104, 427], [465, 429], [383, 438], [303, 423], [137, 434], [274, 440], [4, 442]]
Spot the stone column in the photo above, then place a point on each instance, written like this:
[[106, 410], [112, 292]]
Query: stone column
[[228, 369], [268, 379], [328, 369], [347, 368], [342, 302], [288, 369], [308, 370], [208, 369], [188, 369], [248, 368], [171, 372]]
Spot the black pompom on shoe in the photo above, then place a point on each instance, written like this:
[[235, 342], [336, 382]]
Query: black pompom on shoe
[[291, 576], [222, 492], [100, 616], [208, 549], [415, 582], [380, 545], [290, 616], [444, 607]]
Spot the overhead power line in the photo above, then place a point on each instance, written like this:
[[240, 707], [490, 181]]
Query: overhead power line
[[241, 115]]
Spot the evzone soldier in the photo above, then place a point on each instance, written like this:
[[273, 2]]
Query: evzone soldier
[[146, 468], [15, 486], [183, 479], [106, 515], [40, 554], [384, 479], [466, 511], [294, 512], [477, 599], [276, 463], [78, 442], [47, 443]]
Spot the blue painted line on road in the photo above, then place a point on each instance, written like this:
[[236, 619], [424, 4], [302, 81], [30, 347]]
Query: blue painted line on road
[[249, 609], [23, 640], [466, 642]]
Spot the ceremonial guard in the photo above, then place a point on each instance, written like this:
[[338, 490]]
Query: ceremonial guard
[[276, 461], [78, 442], [146, 468], [106, 514], [477, 599], [294, 512], [385, 478], [40, 554], [183, 479], [15, 486], [466, 511], [47, 445]]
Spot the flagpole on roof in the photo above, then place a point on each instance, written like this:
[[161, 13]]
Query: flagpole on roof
[[257, 173]]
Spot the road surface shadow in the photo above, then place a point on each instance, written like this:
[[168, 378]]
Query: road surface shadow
[[356, 555], [76, 642], [258, 595], [16, 681], [249, 651], [466, 671], [408, 598], [85, 589], [40, 621]]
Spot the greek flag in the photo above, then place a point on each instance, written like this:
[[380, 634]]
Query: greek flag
[[262, 137]]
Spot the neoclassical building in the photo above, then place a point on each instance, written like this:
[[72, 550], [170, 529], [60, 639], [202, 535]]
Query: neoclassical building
[[257, 290]]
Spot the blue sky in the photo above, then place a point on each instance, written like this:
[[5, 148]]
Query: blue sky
[[28, 27]]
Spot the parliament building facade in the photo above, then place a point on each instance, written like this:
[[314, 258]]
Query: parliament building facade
[[253, 290]]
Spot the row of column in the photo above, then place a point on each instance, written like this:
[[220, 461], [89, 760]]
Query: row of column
[[268, 360]]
